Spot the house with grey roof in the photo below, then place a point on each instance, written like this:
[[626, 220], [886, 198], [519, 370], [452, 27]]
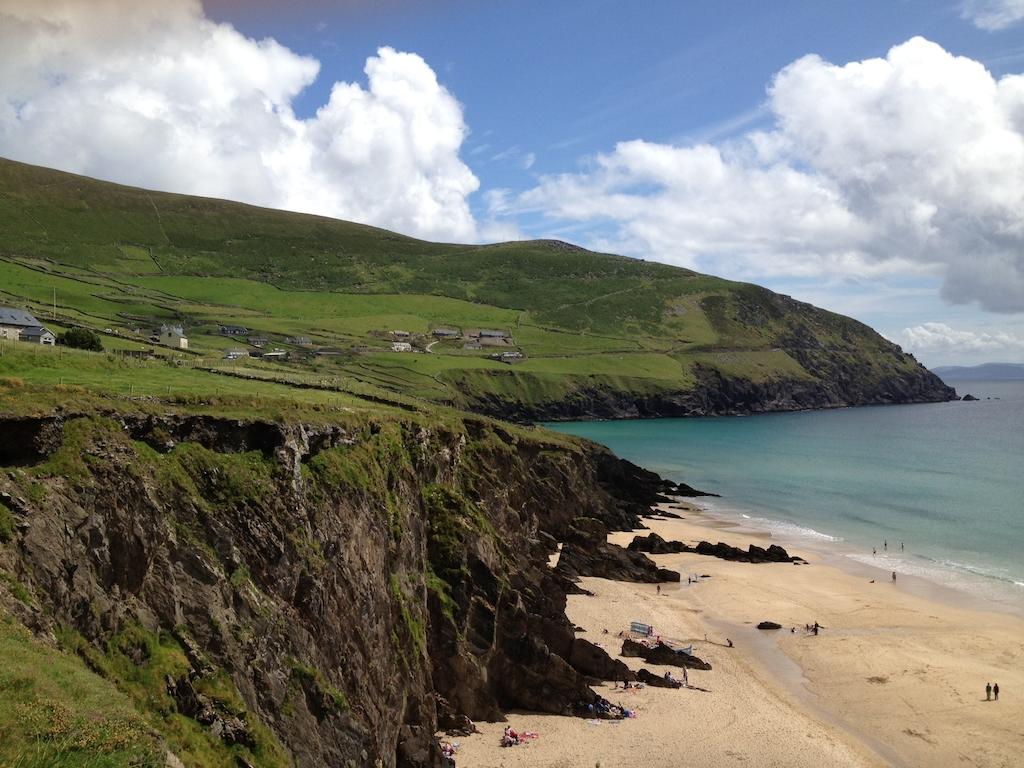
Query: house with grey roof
[[173, 336], [38, 335], [14, 321]]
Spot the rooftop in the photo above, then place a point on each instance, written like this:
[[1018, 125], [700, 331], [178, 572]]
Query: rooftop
[[18, 317]]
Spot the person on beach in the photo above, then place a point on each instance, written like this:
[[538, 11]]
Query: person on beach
[[659, 589], [729, 642], [988, 691], [874, 551], [894, 575], [686, 678], [995, 691], [885, 545], [901, 546]]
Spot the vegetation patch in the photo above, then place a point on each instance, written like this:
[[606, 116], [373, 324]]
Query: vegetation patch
[[6, 524], [56, 713]]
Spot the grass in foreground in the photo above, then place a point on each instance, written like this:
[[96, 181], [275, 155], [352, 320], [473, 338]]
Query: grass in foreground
[[55, 713]]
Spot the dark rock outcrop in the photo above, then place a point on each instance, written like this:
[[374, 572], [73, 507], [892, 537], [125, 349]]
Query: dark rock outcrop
[[661, 653], [656, 681], [586, 552], [595, 662], [968, 398], [656, 545], [769, 625]]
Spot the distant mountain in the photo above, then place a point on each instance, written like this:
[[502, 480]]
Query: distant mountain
[[983, 372]]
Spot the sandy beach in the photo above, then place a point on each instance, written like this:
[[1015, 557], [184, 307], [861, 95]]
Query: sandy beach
[[895, 677]]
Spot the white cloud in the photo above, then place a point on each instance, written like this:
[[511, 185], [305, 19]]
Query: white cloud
[[993, 15], [909, 164], [157, 95], [939, 337]]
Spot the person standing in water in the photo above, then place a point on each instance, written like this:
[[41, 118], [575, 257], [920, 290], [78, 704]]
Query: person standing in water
[[901, 546]]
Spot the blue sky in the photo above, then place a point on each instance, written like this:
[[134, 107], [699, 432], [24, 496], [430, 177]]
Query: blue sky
[[694, 133]]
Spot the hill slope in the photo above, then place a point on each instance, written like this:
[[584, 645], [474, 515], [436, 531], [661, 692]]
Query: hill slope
[[599, 335]]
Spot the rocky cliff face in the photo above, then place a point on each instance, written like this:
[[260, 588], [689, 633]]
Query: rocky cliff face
[[840, 382], [321, 594]]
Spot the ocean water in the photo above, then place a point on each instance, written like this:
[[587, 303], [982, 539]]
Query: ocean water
[[945, 479]]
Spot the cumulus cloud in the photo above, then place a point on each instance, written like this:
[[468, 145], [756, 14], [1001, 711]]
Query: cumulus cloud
[[157, 95], [993, 15], [909, 164], [939, 337]]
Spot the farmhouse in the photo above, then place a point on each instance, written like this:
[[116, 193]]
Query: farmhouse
[[258, 341], [173, 336], [275, 354], [14, 321], [233, 330], [446, 333], [299, 341], [509, 357], [400, 334], [401, 346], [38, 335], [235, 354]]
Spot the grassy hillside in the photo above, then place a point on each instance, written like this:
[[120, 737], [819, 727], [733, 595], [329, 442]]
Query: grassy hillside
[[123, 260]]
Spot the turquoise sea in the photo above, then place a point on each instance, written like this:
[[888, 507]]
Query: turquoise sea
[[946, 479]]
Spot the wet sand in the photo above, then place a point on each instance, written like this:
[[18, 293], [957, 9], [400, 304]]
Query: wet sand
[[896, 677]]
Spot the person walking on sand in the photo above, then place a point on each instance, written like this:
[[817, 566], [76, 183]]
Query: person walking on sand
[[988, 691], [995, 691], [659, 589]]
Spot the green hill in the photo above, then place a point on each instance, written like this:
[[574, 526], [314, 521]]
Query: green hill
[[599, 335]]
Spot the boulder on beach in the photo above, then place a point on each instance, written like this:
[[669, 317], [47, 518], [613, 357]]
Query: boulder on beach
[[769, 625]]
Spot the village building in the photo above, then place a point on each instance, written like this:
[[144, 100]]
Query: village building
[[509, 357], [233, 330], [275, 354], [299, 341], [401, 346], [400, 334], [472, 345], [38, 335], [173, 336], [14, 321], [258, 341], [235, 354], [489, 334], [446, 333]]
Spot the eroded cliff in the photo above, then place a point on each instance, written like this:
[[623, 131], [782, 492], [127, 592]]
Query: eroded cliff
[[326, 594]]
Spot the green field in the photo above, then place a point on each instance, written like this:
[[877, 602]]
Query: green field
[[124, 261]]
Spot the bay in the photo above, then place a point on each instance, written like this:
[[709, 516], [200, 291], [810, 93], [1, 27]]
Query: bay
[[944, 479]]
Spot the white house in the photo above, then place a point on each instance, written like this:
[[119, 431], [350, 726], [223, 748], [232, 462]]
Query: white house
[[401, 346], [173, 336], [38, 335]]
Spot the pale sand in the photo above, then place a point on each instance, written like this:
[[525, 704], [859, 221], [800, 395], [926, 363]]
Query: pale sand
[[895, 678]]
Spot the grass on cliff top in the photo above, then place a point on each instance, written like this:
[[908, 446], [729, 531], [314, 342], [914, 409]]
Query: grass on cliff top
[[55, 713]]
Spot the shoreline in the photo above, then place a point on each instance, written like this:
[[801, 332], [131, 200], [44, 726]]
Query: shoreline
[[984, 593], [896, 676]]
